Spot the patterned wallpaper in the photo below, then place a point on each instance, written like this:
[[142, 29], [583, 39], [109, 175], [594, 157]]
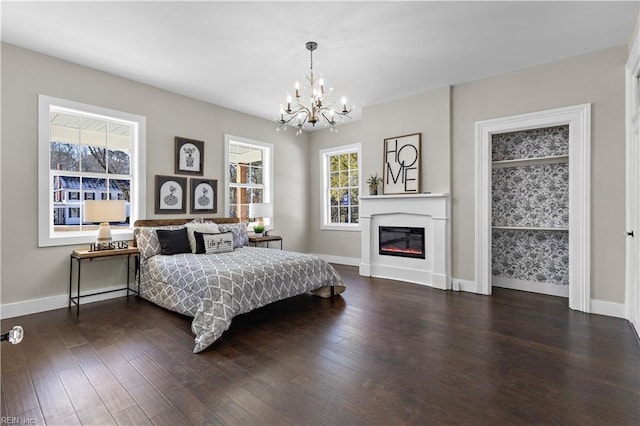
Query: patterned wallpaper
[[533, 196], [540, 256], [536, 195], [545, 142]]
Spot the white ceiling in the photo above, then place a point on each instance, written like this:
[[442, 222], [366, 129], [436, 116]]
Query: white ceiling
[[247, 55]]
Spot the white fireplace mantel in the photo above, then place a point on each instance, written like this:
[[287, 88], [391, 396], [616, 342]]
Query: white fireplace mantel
[[429, 211]]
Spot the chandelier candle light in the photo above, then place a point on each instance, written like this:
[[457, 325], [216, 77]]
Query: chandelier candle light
[[319, 106]]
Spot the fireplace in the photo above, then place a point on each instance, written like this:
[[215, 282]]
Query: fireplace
[[401, 241], [428, 212]]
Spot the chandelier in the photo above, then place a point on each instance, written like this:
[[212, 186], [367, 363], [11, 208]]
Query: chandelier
[[319, 107]]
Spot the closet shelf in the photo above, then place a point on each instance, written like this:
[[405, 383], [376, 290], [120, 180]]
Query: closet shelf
[[555, 159], [530, 228]]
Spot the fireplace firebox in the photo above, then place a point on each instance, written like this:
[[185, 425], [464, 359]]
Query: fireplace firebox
[[401, 241]]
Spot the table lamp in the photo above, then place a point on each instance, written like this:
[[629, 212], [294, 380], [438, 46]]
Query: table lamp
[[259, 211], [104, 211]]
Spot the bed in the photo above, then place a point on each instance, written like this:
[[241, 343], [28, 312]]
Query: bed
[[214, 288]]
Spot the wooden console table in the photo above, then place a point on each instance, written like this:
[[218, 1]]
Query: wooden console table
[[85, 254]]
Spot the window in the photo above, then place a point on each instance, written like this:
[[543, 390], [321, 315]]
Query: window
[[248, 176], [85, 151], [340, 174]]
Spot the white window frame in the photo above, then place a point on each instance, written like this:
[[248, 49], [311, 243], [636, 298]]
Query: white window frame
[[325, 214], [46, 236], [267, 169]]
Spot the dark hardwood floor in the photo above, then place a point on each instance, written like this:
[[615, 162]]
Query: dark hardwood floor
[[385, 352]]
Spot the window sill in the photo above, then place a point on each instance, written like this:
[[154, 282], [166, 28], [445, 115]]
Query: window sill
[[70, 240], [336, 227]]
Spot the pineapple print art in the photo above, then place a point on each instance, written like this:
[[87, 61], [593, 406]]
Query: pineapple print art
[[170, 197], [204, 200], [204, 195]]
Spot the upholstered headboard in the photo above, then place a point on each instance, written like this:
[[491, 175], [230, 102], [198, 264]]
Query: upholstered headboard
[[142, 223]]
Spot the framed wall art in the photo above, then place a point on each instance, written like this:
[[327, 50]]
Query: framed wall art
[[401, 166], [189, 157], [204, 195], [171, 195]]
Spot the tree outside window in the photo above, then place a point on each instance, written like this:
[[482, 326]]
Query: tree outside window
[[249, 169], [86, 153], [341, 192], [92, 157]]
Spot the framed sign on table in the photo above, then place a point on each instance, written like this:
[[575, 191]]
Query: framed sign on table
[[401, 166]]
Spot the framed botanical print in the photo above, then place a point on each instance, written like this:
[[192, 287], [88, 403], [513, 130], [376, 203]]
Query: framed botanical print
[[204, 195], [189, 157], [401, 166], [171, 195]]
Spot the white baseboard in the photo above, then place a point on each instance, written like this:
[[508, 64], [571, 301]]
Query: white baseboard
[[340, 260], [33, 306], [531, 286], [610, 309], [600, 307], [458, 284]]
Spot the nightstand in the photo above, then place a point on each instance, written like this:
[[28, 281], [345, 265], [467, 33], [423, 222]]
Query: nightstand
[[266, 239], [85, 254]]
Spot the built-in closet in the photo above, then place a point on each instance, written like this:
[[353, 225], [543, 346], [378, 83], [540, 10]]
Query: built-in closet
[[530, 210]]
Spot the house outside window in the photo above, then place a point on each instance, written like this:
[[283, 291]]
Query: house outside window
[[248, 176], [87, 153], [340, 183]]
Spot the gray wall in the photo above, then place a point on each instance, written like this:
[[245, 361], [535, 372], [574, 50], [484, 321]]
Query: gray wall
[[29, 272], [427, 113], [447, 119], [597, 78], [330, 242]]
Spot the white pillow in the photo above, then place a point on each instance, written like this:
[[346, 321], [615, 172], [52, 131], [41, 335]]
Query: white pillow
[[220, 243], [208, 228]]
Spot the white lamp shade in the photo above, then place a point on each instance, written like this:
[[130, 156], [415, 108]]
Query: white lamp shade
[[260, 210], [105, 211]]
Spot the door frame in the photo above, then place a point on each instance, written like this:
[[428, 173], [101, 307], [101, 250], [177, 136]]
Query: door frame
[[578, 117], [632, 175]]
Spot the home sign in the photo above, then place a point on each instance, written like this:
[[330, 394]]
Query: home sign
[[401, 168]]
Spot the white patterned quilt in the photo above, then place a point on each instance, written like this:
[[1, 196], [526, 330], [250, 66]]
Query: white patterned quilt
[[214, 288]]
